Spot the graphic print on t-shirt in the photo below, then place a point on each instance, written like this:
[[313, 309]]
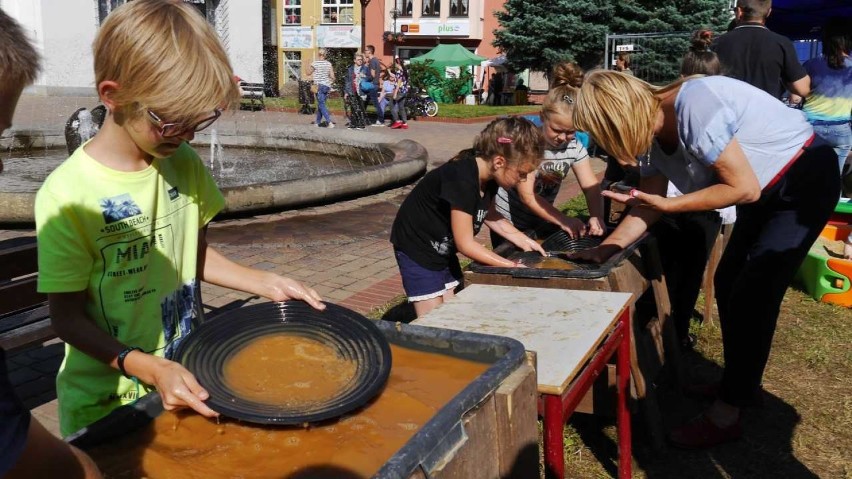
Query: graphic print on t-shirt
[[118, 208], [442, 247], [178, 313]]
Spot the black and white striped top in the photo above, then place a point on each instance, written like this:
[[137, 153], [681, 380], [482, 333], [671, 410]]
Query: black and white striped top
[[553, 169], [322, 72]]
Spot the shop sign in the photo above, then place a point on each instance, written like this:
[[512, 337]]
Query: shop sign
[[296, 37], [339, 36], [437, 29]]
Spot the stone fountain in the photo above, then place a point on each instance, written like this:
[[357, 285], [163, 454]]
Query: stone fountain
[[253, 163]]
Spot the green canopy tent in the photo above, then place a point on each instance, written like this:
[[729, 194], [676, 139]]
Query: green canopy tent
[[449, 55]]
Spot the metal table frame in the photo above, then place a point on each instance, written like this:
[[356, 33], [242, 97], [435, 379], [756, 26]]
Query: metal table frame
[[557, 409]]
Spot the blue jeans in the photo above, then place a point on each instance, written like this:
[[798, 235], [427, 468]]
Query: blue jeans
[[373, 98], [322, 110], [839, 137]]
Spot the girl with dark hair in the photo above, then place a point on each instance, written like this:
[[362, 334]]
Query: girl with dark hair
[[699, 59], [444, 212]]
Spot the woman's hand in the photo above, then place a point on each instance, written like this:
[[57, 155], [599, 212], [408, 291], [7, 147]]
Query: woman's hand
[[598, 254], [596, 226], [637, 198], [282, 289], [573, 227]]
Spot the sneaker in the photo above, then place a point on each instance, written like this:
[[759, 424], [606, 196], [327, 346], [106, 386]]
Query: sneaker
[[331, 125], [700, 433], [404, 126], [379, 123], [396, 125]]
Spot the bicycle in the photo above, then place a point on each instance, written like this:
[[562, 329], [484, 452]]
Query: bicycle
[[419, 103]]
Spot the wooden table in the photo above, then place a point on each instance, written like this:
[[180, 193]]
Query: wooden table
[[573, 333], [653, 339]]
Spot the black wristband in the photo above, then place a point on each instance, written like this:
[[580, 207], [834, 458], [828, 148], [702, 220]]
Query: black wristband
[[123, 354]]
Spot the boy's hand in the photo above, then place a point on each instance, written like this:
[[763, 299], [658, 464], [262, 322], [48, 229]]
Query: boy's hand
[[178, 388], [596, 226], [283, 289], [573, 227]]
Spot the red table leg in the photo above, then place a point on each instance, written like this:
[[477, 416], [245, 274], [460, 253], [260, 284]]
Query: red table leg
[[554, 447], [622, 371]]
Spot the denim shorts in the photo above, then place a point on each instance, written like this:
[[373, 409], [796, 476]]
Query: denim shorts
[[421, 283]]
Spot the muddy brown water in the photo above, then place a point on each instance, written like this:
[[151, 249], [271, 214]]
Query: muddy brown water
[[187, 445]]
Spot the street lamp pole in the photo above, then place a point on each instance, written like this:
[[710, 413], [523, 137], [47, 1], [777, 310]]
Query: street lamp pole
[[395, 13]]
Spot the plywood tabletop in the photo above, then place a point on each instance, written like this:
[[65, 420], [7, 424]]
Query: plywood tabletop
[[563, 327]]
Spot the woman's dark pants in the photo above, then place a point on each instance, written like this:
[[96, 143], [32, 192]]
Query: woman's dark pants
[[770, 239]]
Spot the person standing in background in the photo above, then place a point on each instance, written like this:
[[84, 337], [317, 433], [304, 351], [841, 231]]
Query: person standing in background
[[622, 63], [829, 105], [354, 74], [323, 75], [754, 54], [374, 68]]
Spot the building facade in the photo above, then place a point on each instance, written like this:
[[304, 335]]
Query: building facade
[[270, 41], [308, 25], [426, 23], [63, 32]]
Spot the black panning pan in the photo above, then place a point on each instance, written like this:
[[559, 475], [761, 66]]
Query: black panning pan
[[209, 347]]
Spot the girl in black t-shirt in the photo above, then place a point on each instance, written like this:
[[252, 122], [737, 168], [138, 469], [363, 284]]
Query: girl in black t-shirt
[[447, 208]]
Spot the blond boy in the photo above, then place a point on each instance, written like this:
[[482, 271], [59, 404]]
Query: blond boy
[[121, 258]]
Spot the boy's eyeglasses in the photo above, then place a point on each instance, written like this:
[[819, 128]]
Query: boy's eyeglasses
[[171, 130]]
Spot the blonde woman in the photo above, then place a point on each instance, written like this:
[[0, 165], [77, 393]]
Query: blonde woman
[[710, 137]]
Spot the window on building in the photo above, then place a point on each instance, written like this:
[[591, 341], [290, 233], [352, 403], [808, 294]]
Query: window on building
[[293, 66], [458, 8], [338, 11], [292, 12], [404, 7], [431, 8], [106, 6]]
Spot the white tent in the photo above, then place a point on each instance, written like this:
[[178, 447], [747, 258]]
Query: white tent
[[497, 63]]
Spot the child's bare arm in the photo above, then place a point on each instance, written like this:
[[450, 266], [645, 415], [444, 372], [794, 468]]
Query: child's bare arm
[[177, 386], [506, 229], [592, 191], [219, 270], [462, 226], [546, 211]]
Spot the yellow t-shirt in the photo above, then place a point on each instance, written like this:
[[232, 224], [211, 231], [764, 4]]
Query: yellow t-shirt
[[130, 239]]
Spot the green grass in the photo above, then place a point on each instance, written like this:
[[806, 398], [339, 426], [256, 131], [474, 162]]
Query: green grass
[[576, 207], [445, 110]]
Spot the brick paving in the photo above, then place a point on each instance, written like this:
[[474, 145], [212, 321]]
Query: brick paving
[[341, 249]]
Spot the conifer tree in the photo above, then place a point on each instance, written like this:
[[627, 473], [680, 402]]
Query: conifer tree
[[537, 34]]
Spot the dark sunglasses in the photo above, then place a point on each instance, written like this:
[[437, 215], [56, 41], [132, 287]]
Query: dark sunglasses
[[171, 130]]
